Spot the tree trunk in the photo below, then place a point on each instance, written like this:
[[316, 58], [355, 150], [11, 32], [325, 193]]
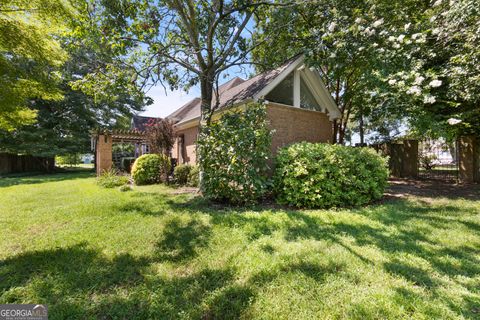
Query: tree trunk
[[362, 134], [206, 112], [341, 133], [335, 131]]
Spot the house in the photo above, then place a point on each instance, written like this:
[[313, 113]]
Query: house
[[141, 124], [299, 108]]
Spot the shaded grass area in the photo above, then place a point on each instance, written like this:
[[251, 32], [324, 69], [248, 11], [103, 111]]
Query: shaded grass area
[[94, 253]]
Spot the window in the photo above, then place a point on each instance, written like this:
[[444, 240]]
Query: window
[[307, 99], [283, 92]]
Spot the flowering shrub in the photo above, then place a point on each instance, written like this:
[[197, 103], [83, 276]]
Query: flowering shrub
[[322, 175], [150, 168], [233, 156]]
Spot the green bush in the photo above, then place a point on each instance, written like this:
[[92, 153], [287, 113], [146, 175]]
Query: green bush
[[111, 179], [186, 175], [127, 163], [150, 168], [233, 153], [193, 177], [181, 173], [71, 159], [322, 175], [125, 188]]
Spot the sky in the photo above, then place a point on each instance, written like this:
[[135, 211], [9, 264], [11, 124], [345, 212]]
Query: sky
[[167, 102], [164, 103]]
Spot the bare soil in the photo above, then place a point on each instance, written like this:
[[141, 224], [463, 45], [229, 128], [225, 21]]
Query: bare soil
[[403, 188]]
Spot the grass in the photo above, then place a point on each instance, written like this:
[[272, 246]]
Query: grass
[[91, 253]]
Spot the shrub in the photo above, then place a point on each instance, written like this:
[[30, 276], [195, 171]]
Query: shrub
[[186, 175], [150, 168], [160, 135], [71, 159], [111, 179], [181, 174], [193, 177], [127, 163], [125, 188], [322, 175], [233, 153]]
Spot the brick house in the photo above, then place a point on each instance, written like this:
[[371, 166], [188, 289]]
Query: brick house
[[299, 108]]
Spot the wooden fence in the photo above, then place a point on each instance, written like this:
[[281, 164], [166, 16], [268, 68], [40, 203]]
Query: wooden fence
[[404, 158], [12, 163]]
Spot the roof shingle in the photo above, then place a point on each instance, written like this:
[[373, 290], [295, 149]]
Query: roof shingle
[[232, 92]]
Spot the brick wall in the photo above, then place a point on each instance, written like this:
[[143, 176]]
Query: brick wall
[[190, 137], [290, 125], [296, 125], [104, 153]]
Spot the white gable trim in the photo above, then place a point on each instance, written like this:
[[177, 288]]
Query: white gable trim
[[279, 78], [314, 83]]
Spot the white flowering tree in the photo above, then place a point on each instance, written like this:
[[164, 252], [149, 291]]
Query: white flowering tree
[[352, 43], [442, 71], [388, 63]]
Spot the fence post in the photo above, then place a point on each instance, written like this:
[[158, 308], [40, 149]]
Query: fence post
[[103, 153], [410, 159], [476, 177], [396, 160], [466, 159]]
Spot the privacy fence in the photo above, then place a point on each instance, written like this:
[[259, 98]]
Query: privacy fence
[[12, 163], [457, 161]]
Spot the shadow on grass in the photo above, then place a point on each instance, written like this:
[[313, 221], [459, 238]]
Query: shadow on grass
[[180, 241], [400, 229], [82, 282], [79, 282], [43, 178]]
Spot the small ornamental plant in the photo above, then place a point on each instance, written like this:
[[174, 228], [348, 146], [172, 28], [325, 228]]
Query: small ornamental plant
[[233, 155], [150, 169], [186, 175], [181, 174], [112, 179], [318, 175]]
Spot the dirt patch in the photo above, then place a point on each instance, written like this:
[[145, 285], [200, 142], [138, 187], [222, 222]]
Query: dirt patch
[[185, 190], [403, 188]]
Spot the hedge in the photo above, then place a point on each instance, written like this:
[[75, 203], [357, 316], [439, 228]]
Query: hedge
[[322, 175]]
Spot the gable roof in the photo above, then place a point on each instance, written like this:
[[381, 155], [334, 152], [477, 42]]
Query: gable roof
[[238, 91]]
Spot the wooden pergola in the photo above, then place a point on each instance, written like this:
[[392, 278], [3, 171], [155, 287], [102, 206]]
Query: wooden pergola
[[103, 140]]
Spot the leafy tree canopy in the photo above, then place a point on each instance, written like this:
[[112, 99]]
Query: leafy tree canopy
[[386, 63], [30, 55], [63, 126], [176, 43]]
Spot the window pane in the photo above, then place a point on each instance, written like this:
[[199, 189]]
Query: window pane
[[283, 92], [307, 99]]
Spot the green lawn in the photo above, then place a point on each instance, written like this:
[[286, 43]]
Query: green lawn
[[96, 253]]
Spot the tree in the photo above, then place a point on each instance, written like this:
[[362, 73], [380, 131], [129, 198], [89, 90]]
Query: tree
[[443, 70], [63, 127], [350, 43], [178, 43], [160, 136], [30, 55]]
